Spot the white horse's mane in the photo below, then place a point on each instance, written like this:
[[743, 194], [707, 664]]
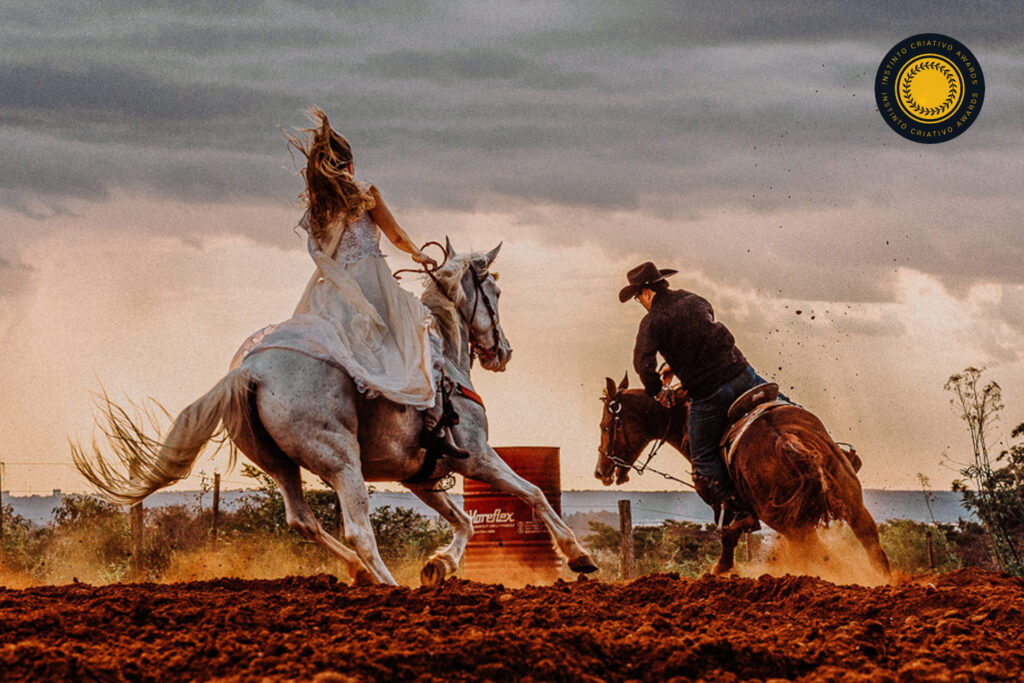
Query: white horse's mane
[[444, 296]]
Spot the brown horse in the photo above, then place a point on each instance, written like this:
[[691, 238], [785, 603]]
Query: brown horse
[[786, 467]]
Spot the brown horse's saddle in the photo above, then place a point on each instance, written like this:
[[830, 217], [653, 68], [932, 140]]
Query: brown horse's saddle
[[744, 412], [750, 406], [750, 398]]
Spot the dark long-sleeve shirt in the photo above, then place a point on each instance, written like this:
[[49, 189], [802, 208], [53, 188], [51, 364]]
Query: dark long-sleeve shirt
[[701, 352]]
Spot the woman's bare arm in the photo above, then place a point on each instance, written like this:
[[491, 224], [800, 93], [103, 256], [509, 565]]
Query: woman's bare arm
[[393, 231]]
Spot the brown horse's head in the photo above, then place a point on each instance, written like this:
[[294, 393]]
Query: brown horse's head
[[622, 434]]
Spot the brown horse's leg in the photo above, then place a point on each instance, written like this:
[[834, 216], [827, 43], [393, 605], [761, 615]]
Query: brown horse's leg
[[866, 531], [726, 561]]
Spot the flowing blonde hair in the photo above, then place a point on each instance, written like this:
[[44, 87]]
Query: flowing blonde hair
[[331, 193]]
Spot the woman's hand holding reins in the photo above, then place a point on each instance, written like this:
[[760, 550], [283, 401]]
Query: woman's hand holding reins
[[424, 260]]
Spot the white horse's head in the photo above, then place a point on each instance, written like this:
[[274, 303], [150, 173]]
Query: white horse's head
[[468, 292]]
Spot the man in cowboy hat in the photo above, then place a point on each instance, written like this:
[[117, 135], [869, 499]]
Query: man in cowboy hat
[[702, 353]]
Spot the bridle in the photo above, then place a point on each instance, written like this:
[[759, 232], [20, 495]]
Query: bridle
[[475, 347], [614, 407]]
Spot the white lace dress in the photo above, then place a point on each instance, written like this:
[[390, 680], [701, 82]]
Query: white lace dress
[[355, 316]]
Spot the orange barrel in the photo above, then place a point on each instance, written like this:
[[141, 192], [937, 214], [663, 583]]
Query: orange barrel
[[510, 543]]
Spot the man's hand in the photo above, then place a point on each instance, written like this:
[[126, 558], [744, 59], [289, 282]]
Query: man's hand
[[666, 375], [667, 397]]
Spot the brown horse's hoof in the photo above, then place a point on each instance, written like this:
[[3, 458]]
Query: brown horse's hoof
[[363, 578], [582, 564], [721, 570], [433, 573]]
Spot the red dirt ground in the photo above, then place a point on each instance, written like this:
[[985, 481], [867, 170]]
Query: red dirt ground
[[966, 625]]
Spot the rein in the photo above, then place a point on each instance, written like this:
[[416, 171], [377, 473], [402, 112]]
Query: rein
[[616, 413], [475, 347], [449, 388]]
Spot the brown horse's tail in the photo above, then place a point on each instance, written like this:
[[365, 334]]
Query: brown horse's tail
[[816, 497]]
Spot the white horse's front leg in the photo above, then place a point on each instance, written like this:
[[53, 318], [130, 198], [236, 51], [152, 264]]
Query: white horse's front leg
[[445, 561], [491, 469]]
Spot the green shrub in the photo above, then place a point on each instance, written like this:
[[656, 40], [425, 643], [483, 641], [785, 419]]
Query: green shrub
[[673, 546], [906, 543]]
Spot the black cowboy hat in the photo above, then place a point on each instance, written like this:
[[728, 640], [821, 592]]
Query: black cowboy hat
[[640, 277]]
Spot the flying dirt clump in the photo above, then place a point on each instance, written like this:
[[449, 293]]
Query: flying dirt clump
[[800, 628]]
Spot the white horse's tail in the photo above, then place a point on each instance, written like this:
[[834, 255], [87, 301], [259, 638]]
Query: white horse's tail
[[153, 463]]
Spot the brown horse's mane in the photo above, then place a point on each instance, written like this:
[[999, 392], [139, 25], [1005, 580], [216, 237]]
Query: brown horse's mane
[[656, 420]]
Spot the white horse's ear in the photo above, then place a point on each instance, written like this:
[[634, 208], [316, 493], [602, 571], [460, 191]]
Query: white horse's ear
[[449, 250], [625, 381], [492, 254], [609, 388]]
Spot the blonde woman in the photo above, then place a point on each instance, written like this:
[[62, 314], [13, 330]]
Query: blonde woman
[[353, 314]]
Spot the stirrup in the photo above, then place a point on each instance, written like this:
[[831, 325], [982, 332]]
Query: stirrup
[[447, 447], [743, 518], [746, 521], [442, 446]]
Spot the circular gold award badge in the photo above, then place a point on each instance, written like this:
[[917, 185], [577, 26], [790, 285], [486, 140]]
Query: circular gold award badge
[[929, 88]]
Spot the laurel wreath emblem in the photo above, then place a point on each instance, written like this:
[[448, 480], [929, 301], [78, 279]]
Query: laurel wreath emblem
[[951, 79]]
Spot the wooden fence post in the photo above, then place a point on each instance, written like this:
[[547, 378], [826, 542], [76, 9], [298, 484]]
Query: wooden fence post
[[1, 512], [135, 521], [627, 562], [216, 511], [931, 552]]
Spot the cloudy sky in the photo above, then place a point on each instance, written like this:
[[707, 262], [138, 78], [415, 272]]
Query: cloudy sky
[[148, 201]]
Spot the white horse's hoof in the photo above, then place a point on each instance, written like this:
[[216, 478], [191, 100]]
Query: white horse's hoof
[[582, 564], [433, 573], [363, 578]]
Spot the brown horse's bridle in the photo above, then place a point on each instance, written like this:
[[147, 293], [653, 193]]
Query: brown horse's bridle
[[614, 407]]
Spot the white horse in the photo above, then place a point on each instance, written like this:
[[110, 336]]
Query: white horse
[[287, 411]]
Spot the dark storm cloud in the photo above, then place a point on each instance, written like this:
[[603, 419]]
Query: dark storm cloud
[[208, 40], [679, 111], [453, 66], [708, 23], [115, 93], [63, 170]]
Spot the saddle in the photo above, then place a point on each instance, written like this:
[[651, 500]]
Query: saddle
[[750, 398], [749, 407], [744, 411]]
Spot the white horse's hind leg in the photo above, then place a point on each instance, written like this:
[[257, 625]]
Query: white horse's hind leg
[[491, 469], [254, 440], [308, 409], [347, 480], [301, 518], [445, 561]]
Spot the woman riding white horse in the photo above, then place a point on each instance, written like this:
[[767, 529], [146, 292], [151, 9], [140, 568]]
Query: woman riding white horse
[[353, 313], [335, 389]]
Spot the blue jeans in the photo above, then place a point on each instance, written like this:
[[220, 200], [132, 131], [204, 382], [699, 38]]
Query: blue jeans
[[706, 424]]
